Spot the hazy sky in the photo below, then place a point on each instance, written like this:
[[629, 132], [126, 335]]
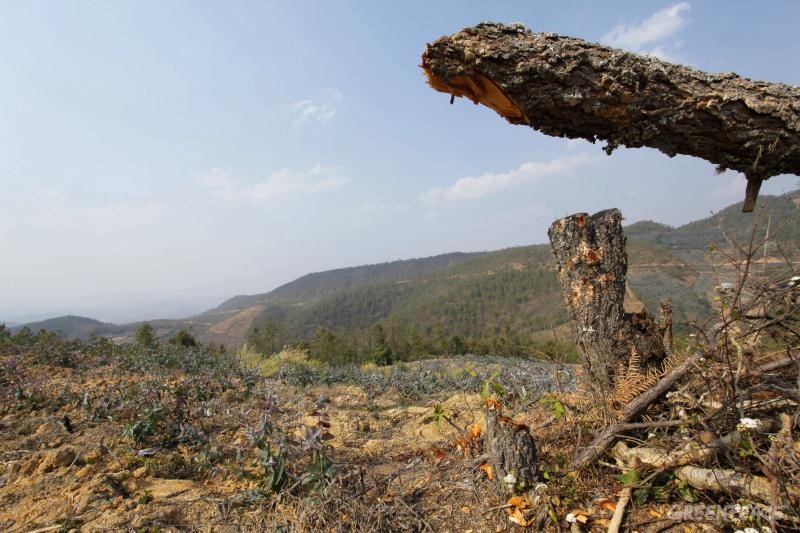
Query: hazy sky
[[159, 157]]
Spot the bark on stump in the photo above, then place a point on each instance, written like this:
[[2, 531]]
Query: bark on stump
[[568, 87], [592, 266], [512, 452]]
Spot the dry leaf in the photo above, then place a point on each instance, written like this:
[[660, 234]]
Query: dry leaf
[[517, 517], [488, 470], [438, 454], [492, 403], [520, 502], [580, 515], [475, 431], [610, 505], [462, 445]]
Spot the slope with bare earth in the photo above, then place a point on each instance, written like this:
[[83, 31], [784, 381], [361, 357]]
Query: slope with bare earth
[[126, 440]]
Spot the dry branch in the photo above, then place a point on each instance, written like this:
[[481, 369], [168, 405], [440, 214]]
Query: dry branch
[[568, 87], [658, 458], [619, 510], [728, 481], [601, 443], [622, 504]]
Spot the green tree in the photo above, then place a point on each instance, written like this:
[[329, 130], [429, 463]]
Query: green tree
[[381, 351], [24, 337], [417, 343], [327, 346], [5, 336], [457, 345], [440, 339], [145, 336], [264, 340]]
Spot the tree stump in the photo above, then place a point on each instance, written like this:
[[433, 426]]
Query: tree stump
[[512, 452], [592, 266]]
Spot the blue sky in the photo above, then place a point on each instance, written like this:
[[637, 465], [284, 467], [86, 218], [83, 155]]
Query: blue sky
[[158, 157]]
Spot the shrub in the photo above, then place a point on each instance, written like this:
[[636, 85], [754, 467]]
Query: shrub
[[184, 338]]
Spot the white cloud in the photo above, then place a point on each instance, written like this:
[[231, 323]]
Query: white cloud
[[733, 190], [648, 35], [474, 187], [576, 144], [278, 185], [306, 111]]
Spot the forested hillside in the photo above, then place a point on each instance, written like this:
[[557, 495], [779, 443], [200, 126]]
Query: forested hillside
[[499, 302]]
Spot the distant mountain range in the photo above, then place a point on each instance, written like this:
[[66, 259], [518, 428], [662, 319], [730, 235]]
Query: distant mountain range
[[466, 293]]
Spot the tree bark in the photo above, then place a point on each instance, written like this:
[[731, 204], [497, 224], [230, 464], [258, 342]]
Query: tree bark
[[512, 452], [592, 266], [731, 482], [568, 87]]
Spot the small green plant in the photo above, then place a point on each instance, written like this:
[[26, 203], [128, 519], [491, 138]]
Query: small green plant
[[686, 492], [273, 476], [554, 404], [491, 385], [438, 415], [146, 497], [653, 488], [629, 477], [145, 424], [321, 469]]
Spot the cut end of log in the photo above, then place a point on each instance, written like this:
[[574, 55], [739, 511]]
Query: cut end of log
[[481, 90]]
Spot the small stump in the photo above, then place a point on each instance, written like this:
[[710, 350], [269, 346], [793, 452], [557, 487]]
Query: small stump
[[512, 452]]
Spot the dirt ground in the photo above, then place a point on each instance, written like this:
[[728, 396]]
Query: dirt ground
[[88, 474], [99, 448]]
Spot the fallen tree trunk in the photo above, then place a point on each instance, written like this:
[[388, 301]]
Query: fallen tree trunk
[[568, 87], [691, 453], [728, 481]]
